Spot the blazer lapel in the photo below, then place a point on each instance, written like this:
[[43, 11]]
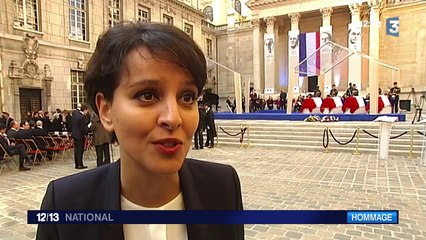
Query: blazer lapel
[[190, 193], [192, 201], [112, 201]]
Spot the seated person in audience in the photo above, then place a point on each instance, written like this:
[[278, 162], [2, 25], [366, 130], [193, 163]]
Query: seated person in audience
[[41, 144], [32, 124], [25, 130], [39, 130], [14, 149], [18, 132]]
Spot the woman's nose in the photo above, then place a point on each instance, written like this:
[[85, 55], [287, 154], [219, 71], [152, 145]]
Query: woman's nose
[[170, 117]]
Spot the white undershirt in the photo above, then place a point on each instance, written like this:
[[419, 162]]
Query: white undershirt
[[155, 231]]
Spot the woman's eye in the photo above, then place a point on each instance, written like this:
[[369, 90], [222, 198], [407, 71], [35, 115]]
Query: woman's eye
[[147, 97], [188, 98]]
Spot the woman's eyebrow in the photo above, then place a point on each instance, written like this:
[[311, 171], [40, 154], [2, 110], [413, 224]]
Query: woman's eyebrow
[[151, 82], [145, 82]]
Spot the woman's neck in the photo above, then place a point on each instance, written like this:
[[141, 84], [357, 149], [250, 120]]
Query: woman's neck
[[147, 189]]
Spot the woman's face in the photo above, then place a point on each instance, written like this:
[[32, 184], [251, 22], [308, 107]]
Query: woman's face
[[153, 113]]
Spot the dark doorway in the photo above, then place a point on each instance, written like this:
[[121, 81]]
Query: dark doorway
[[312, 83], [29, 101]]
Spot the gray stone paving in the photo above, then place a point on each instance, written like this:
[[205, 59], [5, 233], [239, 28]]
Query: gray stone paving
[[272, 179]]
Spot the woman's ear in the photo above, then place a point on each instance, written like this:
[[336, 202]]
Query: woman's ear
[[105, 113]]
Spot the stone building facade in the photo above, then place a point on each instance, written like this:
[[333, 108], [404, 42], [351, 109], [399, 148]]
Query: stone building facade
[[280, 17], [45, 44]]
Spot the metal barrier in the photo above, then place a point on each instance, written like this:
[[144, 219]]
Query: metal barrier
[[242, 132], [327, 132]]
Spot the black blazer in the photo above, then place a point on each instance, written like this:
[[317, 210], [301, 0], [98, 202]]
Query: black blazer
[[79, 126], [5, 145], [204, 185]]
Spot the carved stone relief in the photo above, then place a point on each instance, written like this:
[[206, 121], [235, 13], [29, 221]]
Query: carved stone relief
[[148, 1], [14, 70], [168, 9], [80, 62], [30, 48]]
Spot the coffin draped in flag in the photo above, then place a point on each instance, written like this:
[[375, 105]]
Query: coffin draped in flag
[[309, 58]]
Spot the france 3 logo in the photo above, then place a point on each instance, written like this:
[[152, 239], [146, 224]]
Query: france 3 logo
[[392, 26]]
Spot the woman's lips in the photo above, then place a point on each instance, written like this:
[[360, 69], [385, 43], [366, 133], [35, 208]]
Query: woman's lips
[[168, 149], [168, 146]]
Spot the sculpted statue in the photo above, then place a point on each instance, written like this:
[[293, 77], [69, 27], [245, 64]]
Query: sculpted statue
[[30, 46]]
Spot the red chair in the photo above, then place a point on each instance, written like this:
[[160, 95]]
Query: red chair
[[5, 159], [54, 147], [32, 149]]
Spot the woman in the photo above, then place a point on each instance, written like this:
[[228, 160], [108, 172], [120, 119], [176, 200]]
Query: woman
[[143, 81]]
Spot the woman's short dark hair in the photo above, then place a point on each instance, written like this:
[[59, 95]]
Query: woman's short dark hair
[[164, 42]]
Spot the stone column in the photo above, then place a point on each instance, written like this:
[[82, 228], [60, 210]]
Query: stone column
[[1, 85], [47, 86], [326, 33], [293, 61], [374, 52], [354, 43], [269, 54], [257, 54]]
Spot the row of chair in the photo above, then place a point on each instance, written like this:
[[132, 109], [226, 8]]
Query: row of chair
[[54, 144]]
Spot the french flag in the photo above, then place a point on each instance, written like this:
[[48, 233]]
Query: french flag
[[309, 43]]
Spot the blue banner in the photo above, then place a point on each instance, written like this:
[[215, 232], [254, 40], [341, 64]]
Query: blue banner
[[302, 55], [213, 217], [392, 26], [373, 217]]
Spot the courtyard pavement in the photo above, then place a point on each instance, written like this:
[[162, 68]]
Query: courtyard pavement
[[270, 179]]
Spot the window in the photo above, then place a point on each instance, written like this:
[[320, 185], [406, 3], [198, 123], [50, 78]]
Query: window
[[144, 14], [188, 29], [77, 88], [209, 48], [26, 14], [114, 12], [77, 20], [167, 19]]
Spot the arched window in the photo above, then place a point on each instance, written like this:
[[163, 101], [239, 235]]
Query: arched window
[[208, 13]]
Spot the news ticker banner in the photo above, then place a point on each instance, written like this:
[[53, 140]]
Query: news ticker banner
[[216, 217]]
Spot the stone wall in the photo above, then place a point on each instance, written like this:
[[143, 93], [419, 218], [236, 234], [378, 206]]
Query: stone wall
[[408, 51], [64, 54]]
